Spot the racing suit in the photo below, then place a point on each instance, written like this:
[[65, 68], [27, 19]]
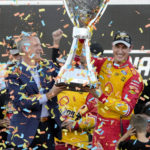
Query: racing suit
[[82, 110], [121, 87]]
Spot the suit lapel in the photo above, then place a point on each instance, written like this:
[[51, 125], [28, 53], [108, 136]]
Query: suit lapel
[[27, 78]]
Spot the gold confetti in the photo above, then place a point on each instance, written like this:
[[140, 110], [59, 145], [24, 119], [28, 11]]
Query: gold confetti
[[27, 17], [43, 44], [22, 54], [141, 30], [112, 33], [41, 34], [45, 146], [147, 97], [64, 35], [42, 10], [52, 112], [13, 144], [106, 108], [46, 107], [64, 12]]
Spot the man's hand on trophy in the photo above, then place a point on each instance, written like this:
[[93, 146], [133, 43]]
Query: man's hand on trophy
[[5, 122], [57, 35], [68, 124], [96, 92], [54, 91]]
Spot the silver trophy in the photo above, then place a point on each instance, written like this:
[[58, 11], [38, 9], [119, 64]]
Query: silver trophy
[[84, 14]]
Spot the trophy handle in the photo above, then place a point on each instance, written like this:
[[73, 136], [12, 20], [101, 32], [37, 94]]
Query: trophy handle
[[88, 60], [70, 56], [100, 13], [72, 52], [70, 16]]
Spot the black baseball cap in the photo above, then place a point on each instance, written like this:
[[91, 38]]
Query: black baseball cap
[[12, 47], [122, 37], [96, 48]]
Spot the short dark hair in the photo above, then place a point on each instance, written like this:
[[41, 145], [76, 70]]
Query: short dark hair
[[139, 122], [96, 48], [146, 110]]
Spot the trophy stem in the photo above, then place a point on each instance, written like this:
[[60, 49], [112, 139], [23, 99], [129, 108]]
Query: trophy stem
[[70, 56], [88, 60], [72, 52]]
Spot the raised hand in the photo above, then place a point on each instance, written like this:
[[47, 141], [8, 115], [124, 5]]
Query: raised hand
[[57, 35]]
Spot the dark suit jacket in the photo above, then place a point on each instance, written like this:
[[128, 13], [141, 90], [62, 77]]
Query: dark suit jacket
[[141, 103], [22, 88]]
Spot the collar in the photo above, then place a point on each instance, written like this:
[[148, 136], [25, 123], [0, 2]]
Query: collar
[[123, 65], [29, 67]]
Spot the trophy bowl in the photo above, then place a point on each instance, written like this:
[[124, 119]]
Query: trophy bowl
[[84, 14], [81, 12]]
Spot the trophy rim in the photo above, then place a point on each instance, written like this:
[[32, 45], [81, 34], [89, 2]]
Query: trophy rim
[[99, 14]]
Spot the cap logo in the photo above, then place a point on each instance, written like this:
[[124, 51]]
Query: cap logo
[[122, 36]]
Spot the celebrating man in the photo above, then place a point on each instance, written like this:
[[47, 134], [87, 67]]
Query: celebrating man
[[36, 119], [120, 86]]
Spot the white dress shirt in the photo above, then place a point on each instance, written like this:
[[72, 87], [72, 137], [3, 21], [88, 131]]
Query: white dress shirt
[[43, 99]]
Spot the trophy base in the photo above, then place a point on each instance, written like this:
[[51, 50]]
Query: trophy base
[[74, 86], [76, 80]]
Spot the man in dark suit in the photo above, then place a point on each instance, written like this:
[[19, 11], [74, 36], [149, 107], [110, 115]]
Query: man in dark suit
[[36, 119], [144, 99]]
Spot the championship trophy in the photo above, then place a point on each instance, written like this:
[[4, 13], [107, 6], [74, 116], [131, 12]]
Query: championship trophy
[[84, 14]]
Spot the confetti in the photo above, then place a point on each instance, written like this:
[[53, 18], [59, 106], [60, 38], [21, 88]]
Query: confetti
[[27, 17], [64, 35], [48, 136], [110, 23], [5, 55], [137, 12], [112, 33], [41, 34], [134, 142], [66, 26], [42, 22], [21, 15], [42, 10], [141, 30], [8, 37], [25, 33], [16, 14], [147, 26]]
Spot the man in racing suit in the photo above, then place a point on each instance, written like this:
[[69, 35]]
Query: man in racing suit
[[120, 86]]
